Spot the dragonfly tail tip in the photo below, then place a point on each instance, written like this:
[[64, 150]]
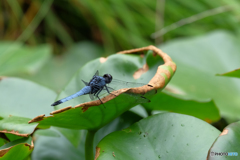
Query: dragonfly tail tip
[[56, 103]]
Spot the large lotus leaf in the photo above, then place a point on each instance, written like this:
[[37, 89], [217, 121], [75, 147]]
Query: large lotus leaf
[[234, 73], [227, 142], [16, 58], [55, 141], [18, 149], [204, 110], [59, 69], [155, 138], [120, 66], [199, 60], [22, 100]]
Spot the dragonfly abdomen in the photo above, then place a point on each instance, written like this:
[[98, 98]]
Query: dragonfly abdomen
[[85, 90]]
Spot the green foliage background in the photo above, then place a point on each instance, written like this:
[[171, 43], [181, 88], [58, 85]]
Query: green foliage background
[[47, 45]]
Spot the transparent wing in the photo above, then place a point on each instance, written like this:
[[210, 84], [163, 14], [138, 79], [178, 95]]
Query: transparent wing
[[97, 73], [86, 83], [119, 84], [128, 96], [92, 97]]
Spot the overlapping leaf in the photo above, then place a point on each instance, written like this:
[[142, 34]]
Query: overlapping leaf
[[18, 149], [17, 125]]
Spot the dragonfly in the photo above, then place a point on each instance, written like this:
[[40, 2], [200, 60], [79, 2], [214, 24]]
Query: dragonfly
[[99, 86]]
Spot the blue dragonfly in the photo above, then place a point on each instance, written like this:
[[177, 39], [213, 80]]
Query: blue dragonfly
[[98, 86]]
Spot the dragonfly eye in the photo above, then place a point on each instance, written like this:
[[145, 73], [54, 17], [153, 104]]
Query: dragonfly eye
[[108, 78]]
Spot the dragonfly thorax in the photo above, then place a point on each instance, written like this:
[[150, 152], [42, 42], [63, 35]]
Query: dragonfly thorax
[[107, 77]]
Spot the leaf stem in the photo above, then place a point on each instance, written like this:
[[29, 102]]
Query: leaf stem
[[89, 145]]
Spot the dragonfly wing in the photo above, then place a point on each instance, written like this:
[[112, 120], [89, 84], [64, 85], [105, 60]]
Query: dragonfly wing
[[86, 83], [103, 93], [110, 89], [119, 84], [138, 98], [97, 73], [91, 97]]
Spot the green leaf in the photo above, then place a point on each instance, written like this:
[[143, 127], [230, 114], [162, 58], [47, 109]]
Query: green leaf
[[18, 59], [198, 60], [155, 137], [18, 149], [17, 125], [22, 100], [12, 137], [228, 141], [2, 142], [121, 67], [203, 110], [234, 73]]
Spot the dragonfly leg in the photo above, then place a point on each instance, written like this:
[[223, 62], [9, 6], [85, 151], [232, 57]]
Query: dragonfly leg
[[101, 101], [97, 93], [109, 92], [98, 96]]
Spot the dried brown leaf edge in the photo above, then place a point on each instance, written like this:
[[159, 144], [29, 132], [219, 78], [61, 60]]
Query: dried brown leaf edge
[[4, 151]]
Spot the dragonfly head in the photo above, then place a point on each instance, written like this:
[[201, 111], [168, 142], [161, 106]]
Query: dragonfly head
[[107, 77]]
